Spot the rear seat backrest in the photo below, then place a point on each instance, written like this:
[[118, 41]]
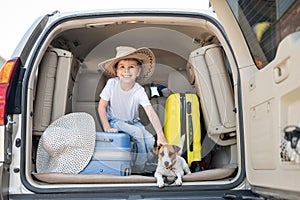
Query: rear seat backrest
[[158, 104], [178, 83], [52, 88], [142, 114], [147, 90], [214, 88], [87, 89]]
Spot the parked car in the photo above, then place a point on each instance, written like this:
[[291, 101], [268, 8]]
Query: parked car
[[2, 61], [241, 59]]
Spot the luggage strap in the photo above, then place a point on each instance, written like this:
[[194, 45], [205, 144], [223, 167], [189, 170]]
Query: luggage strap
[[183, 123], [186, 116]]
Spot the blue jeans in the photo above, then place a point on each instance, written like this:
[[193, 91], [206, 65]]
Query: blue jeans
[[143, 139]]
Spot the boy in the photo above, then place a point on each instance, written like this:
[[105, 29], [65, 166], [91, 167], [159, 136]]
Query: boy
[[122, 95]]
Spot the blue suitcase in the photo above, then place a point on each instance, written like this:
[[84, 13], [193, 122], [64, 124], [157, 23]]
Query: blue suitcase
[[112, 155]]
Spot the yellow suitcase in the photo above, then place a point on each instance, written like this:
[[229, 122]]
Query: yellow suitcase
[[182, 126]]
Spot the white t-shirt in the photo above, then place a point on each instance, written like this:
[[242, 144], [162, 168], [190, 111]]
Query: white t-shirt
[[123, 104]]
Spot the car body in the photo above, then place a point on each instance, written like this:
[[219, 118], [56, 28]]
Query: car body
[[2, 61], [240, 58]]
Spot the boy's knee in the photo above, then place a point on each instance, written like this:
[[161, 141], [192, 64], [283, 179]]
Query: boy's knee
[[137, 133]]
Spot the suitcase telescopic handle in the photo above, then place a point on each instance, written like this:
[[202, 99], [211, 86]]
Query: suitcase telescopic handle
[[190, 128], [106, 140]]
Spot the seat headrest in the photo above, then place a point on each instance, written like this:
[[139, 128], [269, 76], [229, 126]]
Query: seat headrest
[[190, 73], [89, 86], [147, 90], [178, 83]]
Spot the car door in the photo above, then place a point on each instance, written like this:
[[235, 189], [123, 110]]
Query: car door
[[11, 80], [265, 39]]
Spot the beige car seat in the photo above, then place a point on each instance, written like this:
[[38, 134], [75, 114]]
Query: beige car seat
[[53, 88], [207, 70], [87, 89], [178, 83]]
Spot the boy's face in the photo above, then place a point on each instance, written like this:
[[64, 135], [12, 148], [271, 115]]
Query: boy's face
[[128, 70]]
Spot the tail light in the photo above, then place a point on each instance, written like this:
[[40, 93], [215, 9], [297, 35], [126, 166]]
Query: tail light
[[6, 77]]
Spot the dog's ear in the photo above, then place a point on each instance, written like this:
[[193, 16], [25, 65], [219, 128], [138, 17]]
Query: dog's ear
[[176, 148], [156, 149]]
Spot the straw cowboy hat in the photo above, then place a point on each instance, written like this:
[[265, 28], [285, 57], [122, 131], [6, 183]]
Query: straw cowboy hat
[[67, 145], [145, 55]]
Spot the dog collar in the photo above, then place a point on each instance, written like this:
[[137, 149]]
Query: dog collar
[[171, 167]]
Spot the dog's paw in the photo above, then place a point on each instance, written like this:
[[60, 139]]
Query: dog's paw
[[160, 184], [178, 182]]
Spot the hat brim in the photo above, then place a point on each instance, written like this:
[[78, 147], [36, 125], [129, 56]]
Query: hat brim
[[145, 55], [78, 127]]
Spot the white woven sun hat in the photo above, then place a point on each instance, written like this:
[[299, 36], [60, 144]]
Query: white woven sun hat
[[67, 145], [143, 54]]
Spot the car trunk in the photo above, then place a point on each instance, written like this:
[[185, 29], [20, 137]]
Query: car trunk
[[65, 79]]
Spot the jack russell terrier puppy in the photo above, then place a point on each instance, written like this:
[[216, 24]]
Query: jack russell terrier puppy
[[170, 164]]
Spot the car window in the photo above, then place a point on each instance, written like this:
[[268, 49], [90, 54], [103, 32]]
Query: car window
[[265, 23]]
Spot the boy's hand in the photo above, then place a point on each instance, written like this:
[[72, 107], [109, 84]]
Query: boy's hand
[[112, 130], [161, 141]]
